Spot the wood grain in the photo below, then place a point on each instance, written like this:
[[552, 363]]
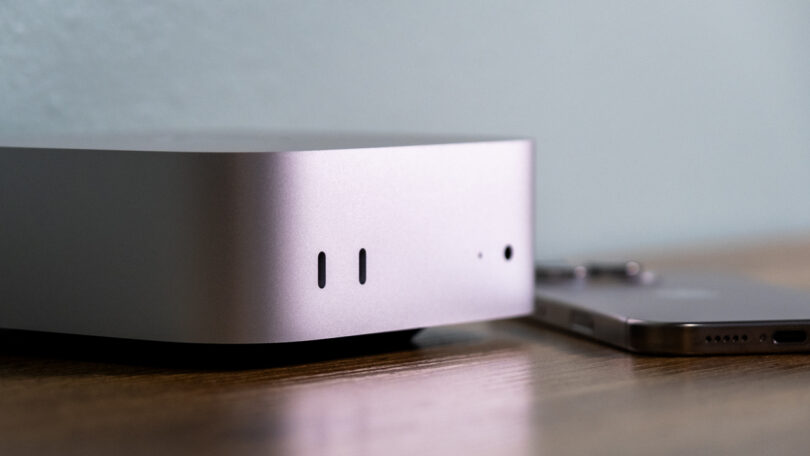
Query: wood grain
[[507, 387]]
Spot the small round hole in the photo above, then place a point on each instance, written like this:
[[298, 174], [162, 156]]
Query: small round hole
[[717, 338], [763, 337], [507, 252], [735, 338], [745, 338], [726, 338], [708, 339]]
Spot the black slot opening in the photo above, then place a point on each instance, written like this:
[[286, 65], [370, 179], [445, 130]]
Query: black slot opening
[[362, 260], [793, 336], [321, 270]]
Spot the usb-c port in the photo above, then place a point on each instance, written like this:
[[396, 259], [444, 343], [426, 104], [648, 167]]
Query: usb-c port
[[794, 336]]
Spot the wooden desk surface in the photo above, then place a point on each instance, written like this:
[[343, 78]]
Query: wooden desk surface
[[508, 387]]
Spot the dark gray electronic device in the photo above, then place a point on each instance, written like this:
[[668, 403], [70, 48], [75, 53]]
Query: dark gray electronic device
[[679, 313]]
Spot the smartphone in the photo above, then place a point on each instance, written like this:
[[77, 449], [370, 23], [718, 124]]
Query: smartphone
[[680, 313]]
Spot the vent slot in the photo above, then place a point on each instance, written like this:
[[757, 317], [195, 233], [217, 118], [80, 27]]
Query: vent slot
[[362, 261], [321, 270]]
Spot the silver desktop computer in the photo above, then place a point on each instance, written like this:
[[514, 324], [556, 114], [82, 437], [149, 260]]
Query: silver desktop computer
[[254, 238]]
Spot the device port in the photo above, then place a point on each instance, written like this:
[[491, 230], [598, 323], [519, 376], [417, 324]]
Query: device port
[[794, 336], [362, 261], [321, 270]]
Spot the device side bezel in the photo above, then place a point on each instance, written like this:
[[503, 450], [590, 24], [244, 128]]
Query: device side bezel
[[672, 338], [609, 329], [715, 338]]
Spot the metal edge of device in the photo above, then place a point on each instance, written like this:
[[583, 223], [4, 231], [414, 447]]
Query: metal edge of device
[[718, 338], [604, 328], [656, 338]]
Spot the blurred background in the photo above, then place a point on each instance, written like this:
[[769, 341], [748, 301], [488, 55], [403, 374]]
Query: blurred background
[[657, 123]]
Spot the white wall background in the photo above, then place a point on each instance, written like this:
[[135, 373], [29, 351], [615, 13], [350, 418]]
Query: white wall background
[[657, 122]]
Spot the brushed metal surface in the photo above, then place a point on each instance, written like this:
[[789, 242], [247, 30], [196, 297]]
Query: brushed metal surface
[[221, 247]]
